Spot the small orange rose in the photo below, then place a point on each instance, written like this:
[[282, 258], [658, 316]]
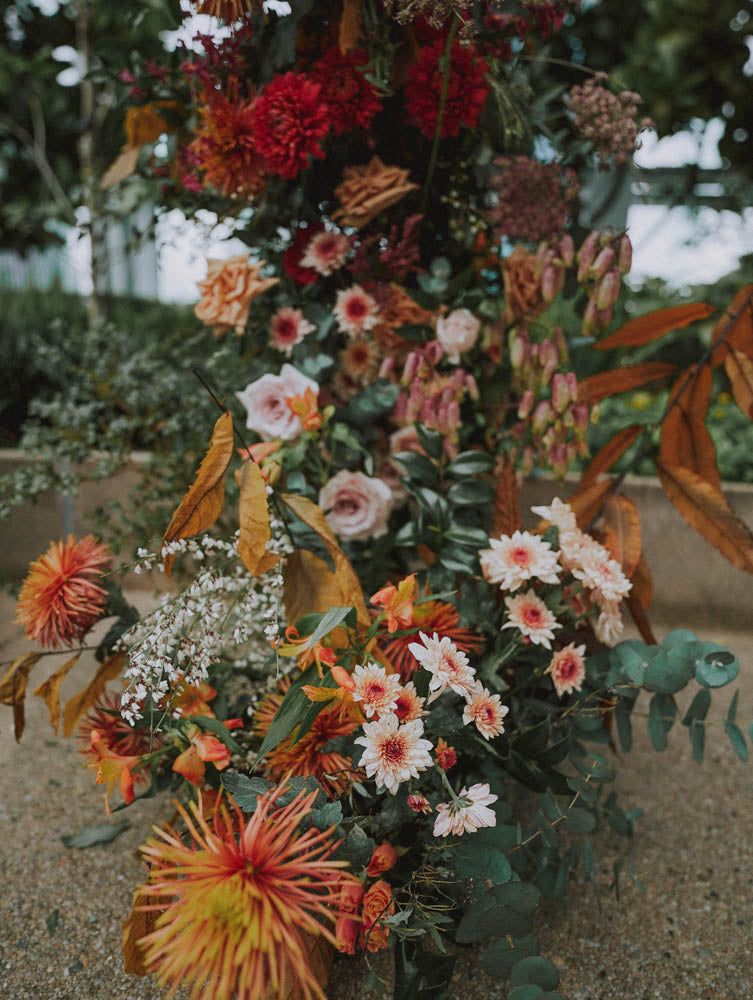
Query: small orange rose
[[383, 858], [227, 292]]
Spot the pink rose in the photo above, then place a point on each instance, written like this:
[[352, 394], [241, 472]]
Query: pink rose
[[356, 505], [265, 401], [457, 332]]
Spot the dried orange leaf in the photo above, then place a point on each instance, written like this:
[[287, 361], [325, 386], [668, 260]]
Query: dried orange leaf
[[202, 504], [622, 531], [685, 439], [739, 369], [597, 387], [506, 509], [736, 326], [84, 700], [643, 584], [50, 690], [605, 457], [13, 688], [351, 29], [705, 508], [653, 325], [121, 167], [253, 516], [639, 616], [137, 925], [309, 585]]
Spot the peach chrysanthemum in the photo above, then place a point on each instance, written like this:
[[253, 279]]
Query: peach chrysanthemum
[[393, 752], [288, 328], [534, 619], [61, 597], [410, 704], [355, 311], [448, 665], [486, 710], [241, 901], [514, 559], [608, 627], [432, 616], [375, 689], [308, 756], [567, 669], [598, 572], [468, 813], [359, 361], [326, 252]]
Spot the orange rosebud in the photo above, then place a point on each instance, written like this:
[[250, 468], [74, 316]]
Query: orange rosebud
[[383, 858], [346, 935], [343, 678], [397, 602], [351, 896], [258, 452]]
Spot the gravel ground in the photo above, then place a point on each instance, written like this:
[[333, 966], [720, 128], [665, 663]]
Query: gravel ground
[[685, 937]]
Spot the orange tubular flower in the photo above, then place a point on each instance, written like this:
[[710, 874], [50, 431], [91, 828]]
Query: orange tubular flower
[[113, 768], [61, 597], [431, 616], [203, 747], [306, 409], [397, 603], [240, 903]]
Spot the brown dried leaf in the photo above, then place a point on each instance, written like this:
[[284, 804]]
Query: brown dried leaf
[[706, 510], [50, 690], [137, 925], [739, 333], [605, 457], [13, 689], [202, 504], [121, 167], [347, 582], [643, 584], [587, 503], [739, 369], [622, 531], [309, 586], [685, 439], [639, 616], [253, 516], [653, 325], [597, 387], [84, 700], [351, 28], [506, 509]]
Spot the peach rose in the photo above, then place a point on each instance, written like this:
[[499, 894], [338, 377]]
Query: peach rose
[[522, 285], [377, 906], [227, 292], [383, 858], [266, 403], [457, 332], [351, 895], [356, 506]]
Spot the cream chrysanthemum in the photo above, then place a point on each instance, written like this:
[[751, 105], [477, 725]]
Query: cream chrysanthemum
[[409, 703], [394, 753], [534, 619], [288, 328], [375, 689], [598, 572], [326, 252], [514, 559], [608, 627], [448, 665], [567, 669], [559, 514], [486, 710], [468, 814], [355, 311]]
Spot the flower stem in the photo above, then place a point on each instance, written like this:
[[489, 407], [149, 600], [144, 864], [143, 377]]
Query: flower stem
[[446, 64]]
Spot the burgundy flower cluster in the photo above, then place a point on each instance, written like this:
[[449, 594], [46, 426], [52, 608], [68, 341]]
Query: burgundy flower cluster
[[533, 200], [609, 121]]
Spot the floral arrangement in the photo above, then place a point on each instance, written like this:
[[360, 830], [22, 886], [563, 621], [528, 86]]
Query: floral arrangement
[[387, 705]]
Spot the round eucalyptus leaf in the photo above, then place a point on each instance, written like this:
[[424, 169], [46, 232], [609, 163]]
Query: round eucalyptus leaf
[[537, 971], [716, 666]]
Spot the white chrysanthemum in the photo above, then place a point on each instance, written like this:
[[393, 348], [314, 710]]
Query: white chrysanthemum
[[567, 669], [468, 814], [597, 571], [447, 664], [375, 689], [559, 514], [514, 559], [534, 619], [486, 710], [608, 627], [394, 753]]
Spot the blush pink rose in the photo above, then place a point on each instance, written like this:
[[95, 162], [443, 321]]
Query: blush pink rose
[[265, 401], [457, 332], [357, 506]]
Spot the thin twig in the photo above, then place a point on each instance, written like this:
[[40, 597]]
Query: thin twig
[[200, 377]]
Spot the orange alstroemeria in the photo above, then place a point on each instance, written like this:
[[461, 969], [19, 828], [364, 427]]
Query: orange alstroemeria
[[112, 769], [193, 699], [306, 409], [296, 645], [397, 603], [342, 693], [203, 747]]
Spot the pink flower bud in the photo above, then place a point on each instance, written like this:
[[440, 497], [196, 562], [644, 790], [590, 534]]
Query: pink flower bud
[[580, 417], [586, 255], [566, 248], [602, 263], [542, 415], [558, 459], [590, 317], [433, 352], [547, 371], [609, 289], [625, 254], [525, 405], [560, 393], [427, 414], [387, 368], [517, 345], [563, 355], [526, 462], [572, 386], [548, 352], [471, 386], [400, 410], [604, 317], [410, 368], [549, 283], [572, 451]]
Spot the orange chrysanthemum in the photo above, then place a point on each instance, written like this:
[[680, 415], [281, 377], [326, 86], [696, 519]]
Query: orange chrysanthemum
[[224, 145], [240, 902], [432, 616], [333, 770], [61, 599]]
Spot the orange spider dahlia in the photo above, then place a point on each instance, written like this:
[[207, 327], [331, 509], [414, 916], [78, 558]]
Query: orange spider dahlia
[[61, 599], [333, 770], [432, 616], [240, 903]]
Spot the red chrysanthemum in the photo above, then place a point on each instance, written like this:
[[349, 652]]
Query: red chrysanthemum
[[61, 599], [467, 89], [290, 119], [114, 732], [432, 616], [224, 147], [291, 259], [307, 756], [242, 902], [353, 101]]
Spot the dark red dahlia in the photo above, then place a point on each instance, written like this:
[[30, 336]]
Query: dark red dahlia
[[290, 118], [467, 89], [291, 259], [353, 101]]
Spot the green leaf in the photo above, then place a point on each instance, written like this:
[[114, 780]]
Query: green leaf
[[220, 731], [502, 954], [52, 921], [470, 463], [732, 710], [418, 467], [737, 740], [461, 534], [715, 666], [699, 706], [99, 833], [331, 619], [294, 711], [504, 909], [633, 657], [698, 739], [297, 784], [527, 992], [356, 849], [329, 815], [244, 790], [431, 440], [588, 792], [537, 971], [372, 403], [624, 725], [589, 862], [579, 821], [470, 491], [480, 863], [661, 715], [669, 672]]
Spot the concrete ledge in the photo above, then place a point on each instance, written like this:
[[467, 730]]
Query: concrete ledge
[[692, 581]]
